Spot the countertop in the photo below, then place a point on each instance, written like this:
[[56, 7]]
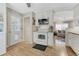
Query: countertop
[[74, 30], [44, 31]]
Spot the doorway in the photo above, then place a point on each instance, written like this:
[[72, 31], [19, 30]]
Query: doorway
[[27, 29], [59, 33]]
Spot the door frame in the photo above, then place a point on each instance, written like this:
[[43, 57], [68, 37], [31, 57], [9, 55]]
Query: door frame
[[30, 16]]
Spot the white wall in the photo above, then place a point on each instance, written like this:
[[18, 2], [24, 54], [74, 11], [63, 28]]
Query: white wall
[[3, 39], [76, 15], [63, 15]]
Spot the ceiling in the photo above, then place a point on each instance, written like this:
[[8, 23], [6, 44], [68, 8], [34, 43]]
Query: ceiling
[[22, 7]]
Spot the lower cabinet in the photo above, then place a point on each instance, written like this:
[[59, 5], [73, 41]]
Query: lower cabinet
[[50, 39], [73, 40], [35, 37]]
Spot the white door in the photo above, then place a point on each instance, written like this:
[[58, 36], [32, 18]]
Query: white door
[[27, 30]]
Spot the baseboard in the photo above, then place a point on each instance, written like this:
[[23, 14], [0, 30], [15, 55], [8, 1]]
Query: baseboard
[[2, 53]]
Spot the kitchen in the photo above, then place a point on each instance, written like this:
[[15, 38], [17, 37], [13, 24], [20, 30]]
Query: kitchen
[[33, 28]]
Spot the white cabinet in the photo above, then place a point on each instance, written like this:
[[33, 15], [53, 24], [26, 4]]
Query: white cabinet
[[50, 39], [44, 15], [73, 40], [40, 15], [75, 43], [69, 39], [35, 37]]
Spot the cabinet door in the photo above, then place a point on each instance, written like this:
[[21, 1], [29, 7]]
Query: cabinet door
[[75, 43], [50, 39], [39, 15], [35, 37], [45, 15], [69, 37]]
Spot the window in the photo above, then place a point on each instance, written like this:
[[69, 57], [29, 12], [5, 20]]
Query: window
[[61, 26]]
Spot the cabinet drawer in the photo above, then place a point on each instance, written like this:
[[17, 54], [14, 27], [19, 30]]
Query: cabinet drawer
[[41, 42]]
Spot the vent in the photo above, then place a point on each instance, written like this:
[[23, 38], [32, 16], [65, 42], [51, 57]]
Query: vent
[[28, 4]]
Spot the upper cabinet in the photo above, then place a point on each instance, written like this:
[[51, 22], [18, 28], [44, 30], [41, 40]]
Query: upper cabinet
[[76, 15], [41, 14], [63, 15]]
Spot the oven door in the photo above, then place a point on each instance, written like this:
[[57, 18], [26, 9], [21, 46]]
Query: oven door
[[42, 38]]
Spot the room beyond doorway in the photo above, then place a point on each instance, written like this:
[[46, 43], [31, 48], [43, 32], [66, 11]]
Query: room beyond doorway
[[59, 33]]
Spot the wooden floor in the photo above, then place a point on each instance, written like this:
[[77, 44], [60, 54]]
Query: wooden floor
[[24, 49]]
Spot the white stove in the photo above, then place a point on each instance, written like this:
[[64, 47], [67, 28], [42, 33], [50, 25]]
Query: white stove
[[40, 38], [43, 36]]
